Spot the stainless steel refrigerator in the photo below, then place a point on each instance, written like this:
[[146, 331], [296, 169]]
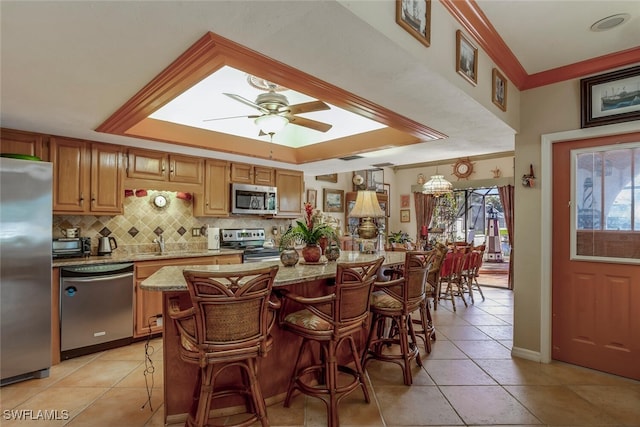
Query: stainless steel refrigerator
[[25, 269]]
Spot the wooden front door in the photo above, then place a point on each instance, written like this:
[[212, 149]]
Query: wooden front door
[[595, 283]]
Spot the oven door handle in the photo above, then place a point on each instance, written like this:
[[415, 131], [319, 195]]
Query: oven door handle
[[99, 278]]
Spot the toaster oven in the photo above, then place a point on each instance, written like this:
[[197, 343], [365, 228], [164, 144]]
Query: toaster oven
[[71, 247]]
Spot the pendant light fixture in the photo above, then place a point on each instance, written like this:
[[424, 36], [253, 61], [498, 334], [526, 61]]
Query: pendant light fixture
[[437, 186]]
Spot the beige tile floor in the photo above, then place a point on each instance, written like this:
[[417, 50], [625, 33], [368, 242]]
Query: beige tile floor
[[468, 379]]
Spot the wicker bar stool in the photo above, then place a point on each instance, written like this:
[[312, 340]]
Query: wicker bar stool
[[432, 290], [332, 320], [395, 300], [227, 326]]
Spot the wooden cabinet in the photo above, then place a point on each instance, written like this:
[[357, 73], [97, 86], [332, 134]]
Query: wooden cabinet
[[148, 304], [290, 186], [87, 177], [106, 179], [19, 142], [352, 223], [215, 199], [160, 166], [248, 174]]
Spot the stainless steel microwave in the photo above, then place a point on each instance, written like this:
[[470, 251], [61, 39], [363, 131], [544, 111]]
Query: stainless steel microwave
[[253, 199]]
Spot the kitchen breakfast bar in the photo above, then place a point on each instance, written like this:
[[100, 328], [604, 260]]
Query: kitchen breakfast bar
[[276, 368]]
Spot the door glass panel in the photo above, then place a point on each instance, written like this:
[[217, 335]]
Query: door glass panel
[[636, 190], [606, 199]]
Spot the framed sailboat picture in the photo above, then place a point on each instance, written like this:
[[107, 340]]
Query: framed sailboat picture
[[415, 17], [610, 98]]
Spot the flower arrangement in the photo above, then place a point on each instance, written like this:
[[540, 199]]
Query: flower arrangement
[[309, 231]]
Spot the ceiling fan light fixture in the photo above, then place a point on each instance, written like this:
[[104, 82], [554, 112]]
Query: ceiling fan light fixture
[[271, 123]]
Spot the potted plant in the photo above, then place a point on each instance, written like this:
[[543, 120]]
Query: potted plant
[[399, 239], [309, 232]]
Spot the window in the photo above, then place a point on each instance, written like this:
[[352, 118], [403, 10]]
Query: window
[[606, 200]]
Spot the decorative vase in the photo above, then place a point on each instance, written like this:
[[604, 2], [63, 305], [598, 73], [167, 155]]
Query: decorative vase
[[311, 252], [332, 252], [289, 257], [323, 244]]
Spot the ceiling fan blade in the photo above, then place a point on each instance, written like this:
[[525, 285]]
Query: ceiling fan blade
[[232, 117], [247, 102], [307, 107], [308, 123]]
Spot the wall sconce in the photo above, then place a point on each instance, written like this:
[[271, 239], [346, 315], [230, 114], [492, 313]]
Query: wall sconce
[[529, 180]]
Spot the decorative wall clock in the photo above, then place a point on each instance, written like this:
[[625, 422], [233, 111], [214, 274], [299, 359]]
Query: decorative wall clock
[[463, 168], [358, 182]]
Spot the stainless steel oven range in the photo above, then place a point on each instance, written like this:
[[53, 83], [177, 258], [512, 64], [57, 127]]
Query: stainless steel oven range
[[252, 241]]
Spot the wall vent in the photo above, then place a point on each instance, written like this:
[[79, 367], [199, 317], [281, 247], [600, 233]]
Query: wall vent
[[354, 157], [382, 165]]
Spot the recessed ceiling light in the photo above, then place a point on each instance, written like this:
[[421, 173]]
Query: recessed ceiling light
[[610, 22]]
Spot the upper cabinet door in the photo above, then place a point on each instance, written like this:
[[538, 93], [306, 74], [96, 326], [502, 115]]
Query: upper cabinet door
[[106, 179], [241, 173], [290, 185], [215, 201], [18, 142], [185, 169], [159, 166], [247, 174], [264, 176], [70, 158], [147, 164]]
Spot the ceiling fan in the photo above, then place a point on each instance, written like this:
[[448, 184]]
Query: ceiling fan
[[277, 113]]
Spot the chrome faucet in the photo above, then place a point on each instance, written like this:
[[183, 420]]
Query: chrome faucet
[[160, 242]]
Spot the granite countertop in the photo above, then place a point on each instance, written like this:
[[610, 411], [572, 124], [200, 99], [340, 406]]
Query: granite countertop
[[170, 278], [126, 257]]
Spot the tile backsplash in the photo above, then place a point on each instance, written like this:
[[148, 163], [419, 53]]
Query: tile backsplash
[[143, 221]]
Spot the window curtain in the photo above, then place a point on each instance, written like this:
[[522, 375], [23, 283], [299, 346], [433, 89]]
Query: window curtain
[[425, 205], [506, 197]]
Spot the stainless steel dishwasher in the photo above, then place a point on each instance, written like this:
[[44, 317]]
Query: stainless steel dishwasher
[[96, 308]]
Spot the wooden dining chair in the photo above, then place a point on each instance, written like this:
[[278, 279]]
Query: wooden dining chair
[[473, 271], [454, 277]]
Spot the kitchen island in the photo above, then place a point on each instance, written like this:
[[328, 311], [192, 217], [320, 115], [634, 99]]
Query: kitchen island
[[276, 369]]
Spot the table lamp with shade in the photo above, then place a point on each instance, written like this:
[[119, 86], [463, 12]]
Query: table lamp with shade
[[367, 208]]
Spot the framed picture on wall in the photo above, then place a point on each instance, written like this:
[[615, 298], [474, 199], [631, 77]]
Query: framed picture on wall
[[387, 191], [405, 215], [415, 17], [333, 200], [332, 177], [376, 180], [466, 58], [610, 98], [499, 89], [405, 200], [312, 197]]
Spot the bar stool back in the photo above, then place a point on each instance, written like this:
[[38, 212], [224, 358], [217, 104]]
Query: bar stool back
[[395, 300], [227, 326], [331, 320]]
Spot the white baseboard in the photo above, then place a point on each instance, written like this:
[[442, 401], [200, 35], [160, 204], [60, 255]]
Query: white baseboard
[[523, 353]]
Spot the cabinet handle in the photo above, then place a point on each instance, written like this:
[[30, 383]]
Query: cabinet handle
[[93, 198], [172, 167], [81, 199], [163, 168]]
